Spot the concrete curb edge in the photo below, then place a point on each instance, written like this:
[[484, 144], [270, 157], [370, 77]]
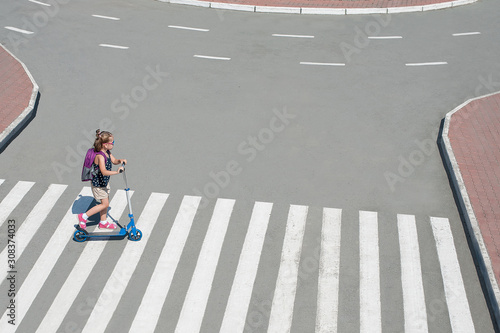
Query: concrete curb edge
[[321, 11], [14, 128], [479, 248]]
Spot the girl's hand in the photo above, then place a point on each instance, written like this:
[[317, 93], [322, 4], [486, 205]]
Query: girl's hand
[[120, 169], [124, 161]]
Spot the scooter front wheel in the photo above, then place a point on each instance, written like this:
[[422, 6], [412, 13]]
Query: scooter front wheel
[[80, 236], [136, 237]]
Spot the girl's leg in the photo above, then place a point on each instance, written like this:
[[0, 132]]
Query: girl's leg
[[101, 208], [104, 217], [104, 212]]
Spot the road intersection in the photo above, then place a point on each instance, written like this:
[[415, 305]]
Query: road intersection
[[331, 120]]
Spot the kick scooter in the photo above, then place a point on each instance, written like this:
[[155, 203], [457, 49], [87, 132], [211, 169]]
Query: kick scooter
[[130, 230]]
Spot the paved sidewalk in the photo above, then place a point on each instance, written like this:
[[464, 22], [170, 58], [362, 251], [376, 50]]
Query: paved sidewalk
[[471, 147], [18, 93], [326, 7], [337, 3]]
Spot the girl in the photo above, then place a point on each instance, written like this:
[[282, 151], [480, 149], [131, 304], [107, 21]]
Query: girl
[[104, 142]]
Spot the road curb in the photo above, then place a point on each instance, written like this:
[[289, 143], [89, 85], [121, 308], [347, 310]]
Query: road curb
[[479, 248], [21, 121], [319, 10]]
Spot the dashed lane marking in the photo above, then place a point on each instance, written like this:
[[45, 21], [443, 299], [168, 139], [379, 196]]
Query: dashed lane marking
[[293, 36], [187, 28], [106, 17], [26, 32], [40, 3], [210, 57], [427, 63], [114, 46], [321, 63], [385, 37], [466, 34]]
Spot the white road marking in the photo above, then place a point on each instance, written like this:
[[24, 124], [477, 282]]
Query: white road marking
[[427, 63], [40, 3], [125, 267], [114, 46], [195, 304], [385, 37], [79, 274], [329, 270], [34, 221], [106, 17], [211, 57], [46, 261], [321, 63], [454, 290], [411, 276], [466, 33], [187, 28], [26, 32], [369, 272], [12, 199], [293, 36], [244, 279], [280, 320], [149, 311]]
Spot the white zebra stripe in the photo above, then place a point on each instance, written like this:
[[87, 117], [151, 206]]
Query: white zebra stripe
[[125, 267], [456, 298], [369, 274], [241, 291], [280, 320], [79, 274], [33, 222], [48, 258], [329, 270], [415, 313], [13, 198], [196, 300], [149, 311]]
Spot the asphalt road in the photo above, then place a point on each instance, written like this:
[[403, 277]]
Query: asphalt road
[[345, 113]]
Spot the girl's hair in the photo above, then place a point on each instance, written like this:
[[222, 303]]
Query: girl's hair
[[101, 138]]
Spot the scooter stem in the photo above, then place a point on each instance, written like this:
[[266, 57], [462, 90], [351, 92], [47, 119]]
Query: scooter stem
[[127, 189]]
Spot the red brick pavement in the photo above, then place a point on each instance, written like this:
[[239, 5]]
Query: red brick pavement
[[15, 89], [474, 135]]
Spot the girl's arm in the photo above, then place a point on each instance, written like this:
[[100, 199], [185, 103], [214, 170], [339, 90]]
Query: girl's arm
[[116, 161], [102, 166]]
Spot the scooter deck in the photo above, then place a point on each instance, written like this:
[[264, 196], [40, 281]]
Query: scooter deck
[[121, 232]]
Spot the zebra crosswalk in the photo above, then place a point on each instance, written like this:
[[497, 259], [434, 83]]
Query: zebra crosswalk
[[167, 259]]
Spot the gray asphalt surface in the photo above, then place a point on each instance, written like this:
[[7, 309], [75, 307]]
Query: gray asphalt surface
[[260, 127]]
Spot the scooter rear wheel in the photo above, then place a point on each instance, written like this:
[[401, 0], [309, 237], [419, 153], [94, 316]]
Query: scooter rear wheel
[[80, 236], [136, 237]]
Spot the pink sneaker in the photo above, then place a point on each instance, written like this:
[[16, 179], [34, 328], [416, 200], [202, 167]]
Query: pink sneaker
[[107, 225], [82, 222]]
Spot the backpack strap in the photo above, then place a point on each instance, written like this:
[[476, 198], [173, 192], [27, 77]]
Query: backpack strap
[[104, 155]]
